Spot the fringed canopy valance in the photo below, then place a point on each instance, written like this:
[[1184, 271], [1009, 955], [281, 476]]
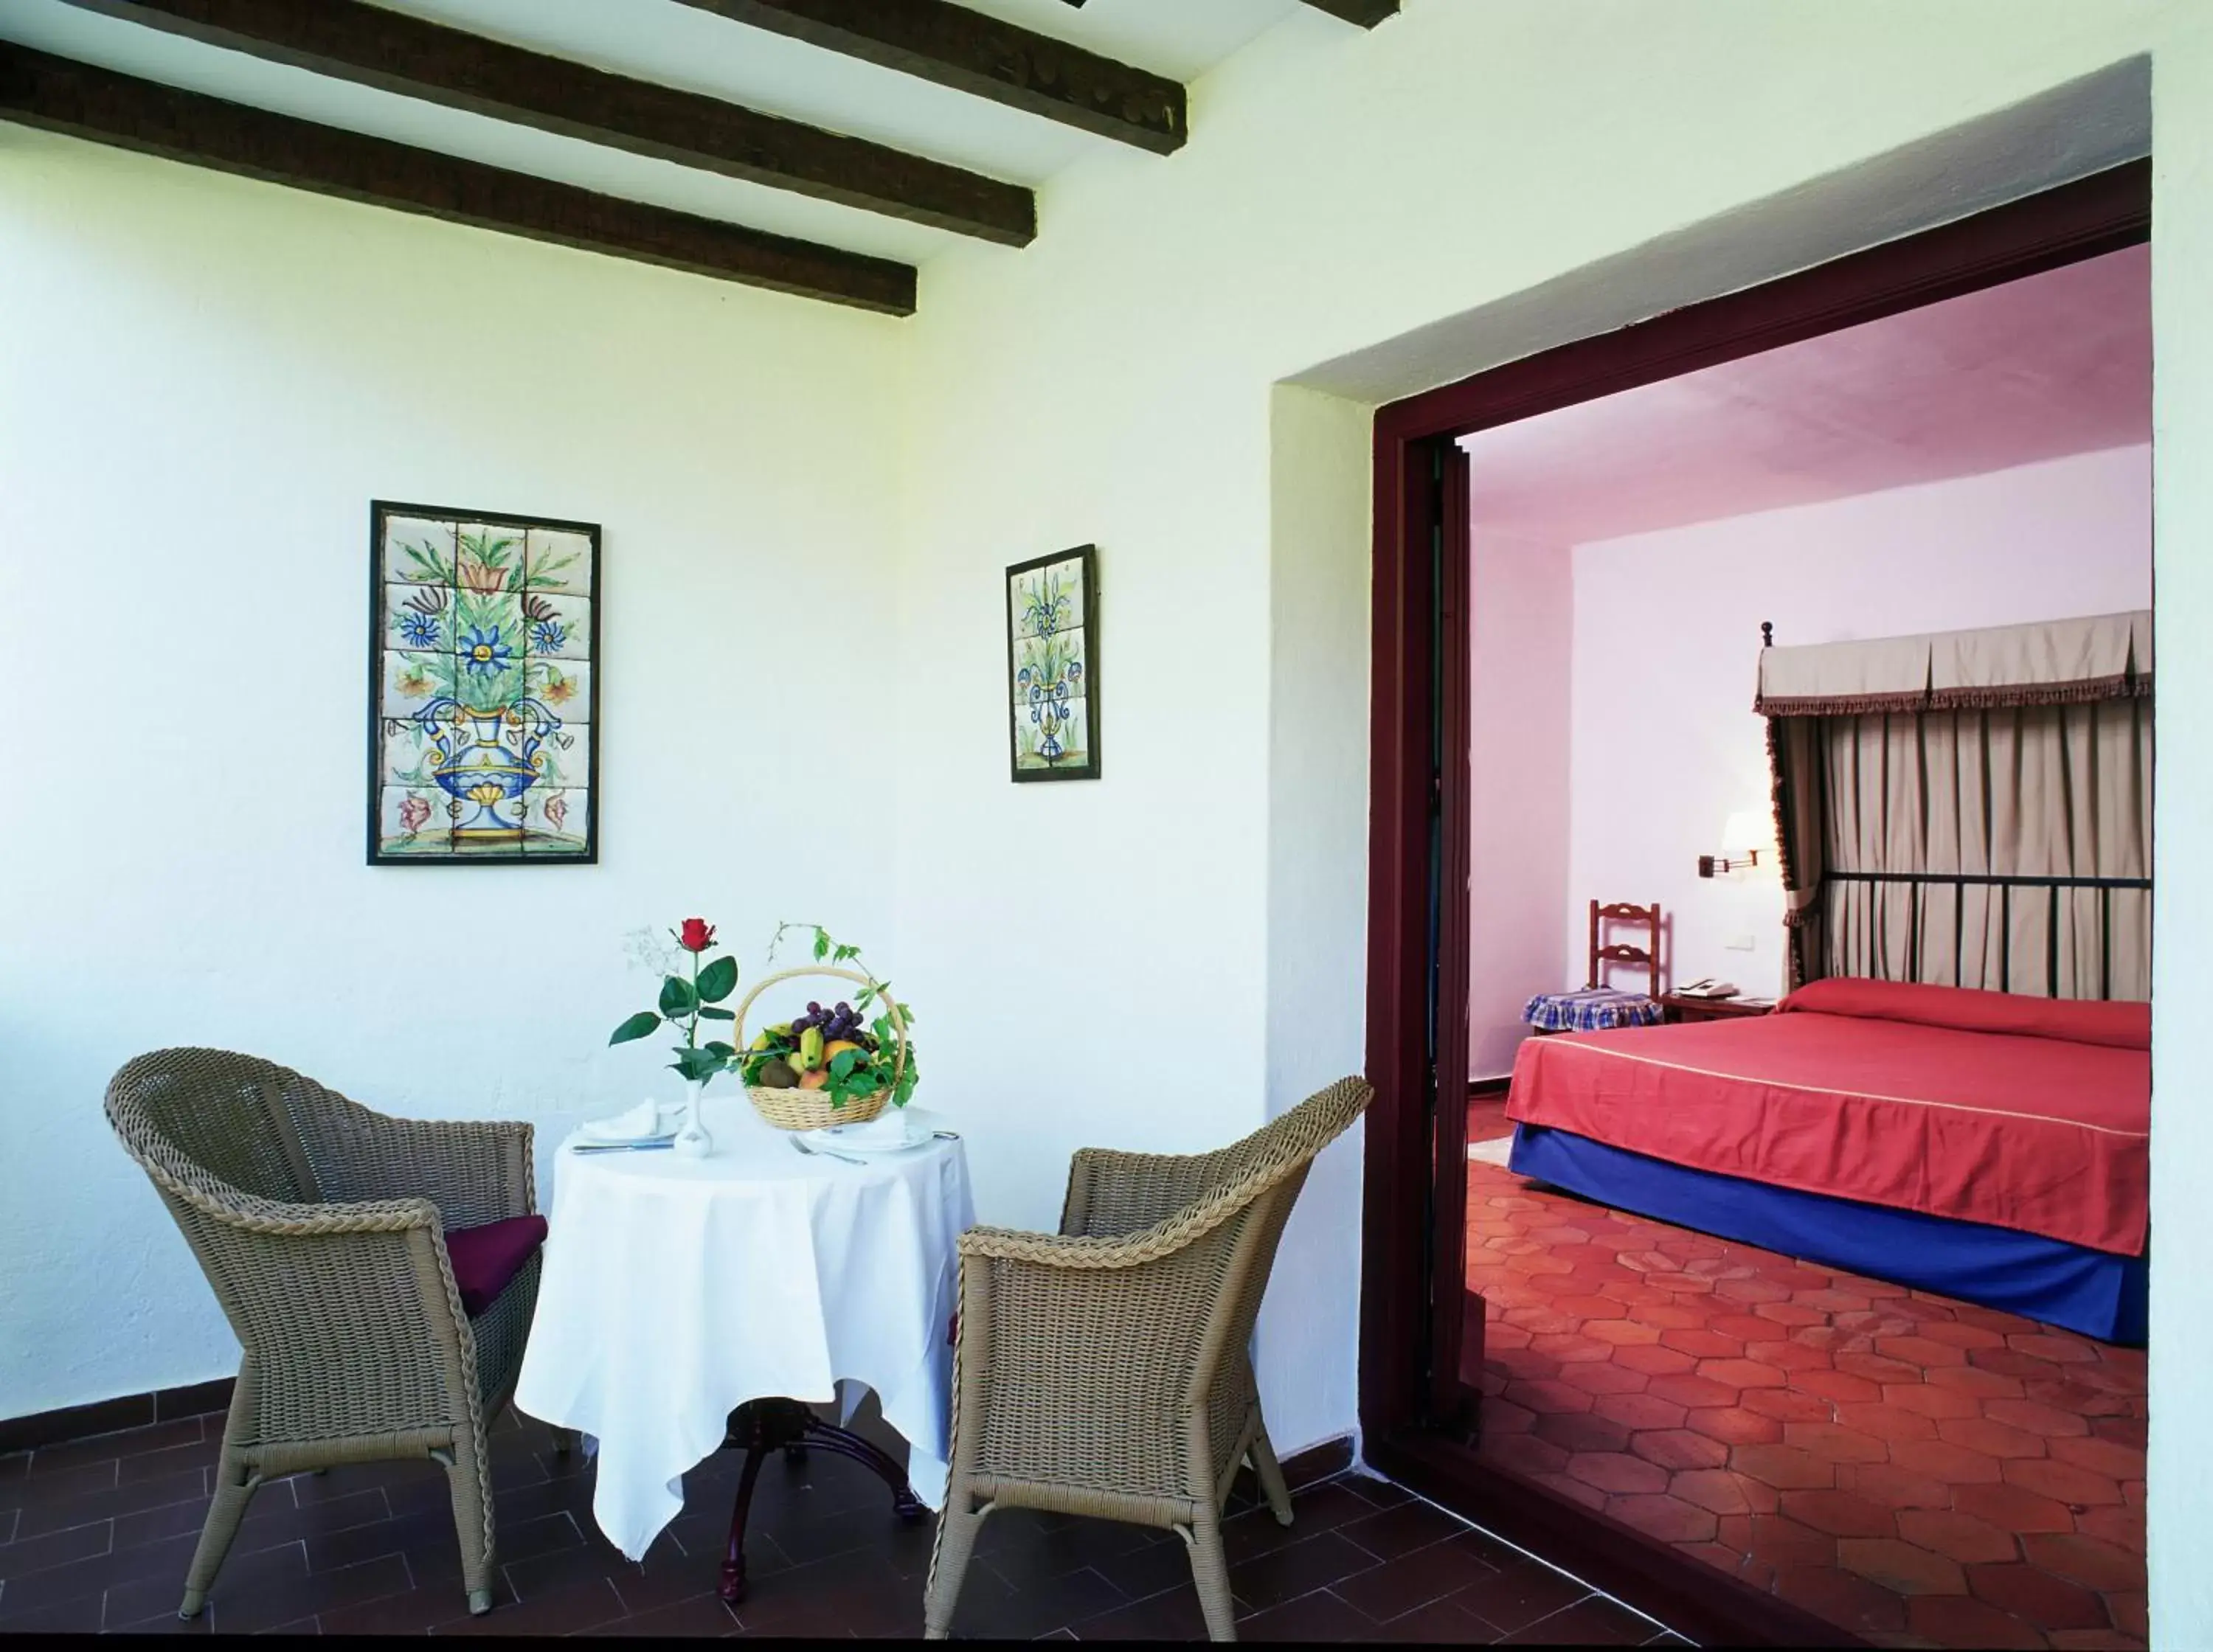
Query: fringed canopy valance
[[2054, 662]]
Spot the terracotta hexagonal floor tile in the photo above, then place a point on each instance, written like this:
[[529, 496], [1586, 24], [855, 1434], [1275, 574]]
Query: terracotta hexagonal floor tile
[[1785, 1467], [1691, 1389], [1840, 1514], [1652, 1360], [1960, 1334], [2050, 1345], [2011, 1362], [1504, 1417], [1957, 1536], [1733, 1424], [1791, 1357], [1834, 1443], [1887, 1422], [1751, 1291], [1701, 1343], [1548, 1395], [1991, 1439], [1958, 1465], [2035, 1418], [1893, 1485], [1616, 1472], [1572, 1488], [1741, 1374], [1972, 1378], [1957, 1620], [2093, 1640], [1679, 1448], [1581, 1431], [1789, 1405], [1621, 1333], [1921, 1350], [1932, 1402], [1841, 1386], [1525, 1453], [2123, 1527], [1876, 1368], [1662, 1518], [1588, 1308], [2047, 1602], [1639, 1410], [1791, 1315], [1746, 1328], [2128, 1610], [1849, 1601], [1569, 1347], [1604, 1377], [1720, 1491], [2011, 1508], [1778, 1540], [1903, 1568], [2062, 1481], [2085, 1560]]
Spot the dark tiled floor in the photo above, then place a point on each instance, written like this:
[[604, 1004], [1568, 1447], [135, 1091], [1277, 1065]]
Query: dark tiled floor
[[1922, 1472], [96, 1535]]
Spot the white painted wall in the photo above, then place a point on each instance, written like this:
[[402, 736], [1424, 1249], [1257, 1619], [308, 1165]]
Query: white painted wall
[[1520, 737], [1666, 632], [1096, 962], [203, 382]]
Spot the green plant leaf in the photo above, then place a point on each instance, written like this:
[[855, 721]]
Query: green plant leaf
[[676, 997], [718, 980], [719, 1049], [842, 1064], [697, 1066], [636, 1028], [821, 945], [715, 1015]]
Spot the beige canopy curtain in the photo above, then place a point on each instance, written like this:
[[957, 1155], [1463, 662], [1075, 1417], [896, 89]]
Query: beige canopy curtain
[[1972, 809]]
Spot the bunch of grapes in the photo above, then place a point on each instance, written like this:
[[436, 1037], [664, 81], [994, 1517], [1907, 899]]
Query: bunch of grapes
[[840, 1022]]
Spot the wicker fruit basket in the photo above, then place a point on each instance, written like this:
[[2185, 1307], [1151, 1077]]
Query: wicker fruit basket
[[805, 1109]]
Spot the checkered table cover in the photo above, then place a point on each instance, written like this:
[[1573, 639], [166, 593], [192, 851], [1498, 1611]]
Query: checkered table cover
[[1589, 1009]]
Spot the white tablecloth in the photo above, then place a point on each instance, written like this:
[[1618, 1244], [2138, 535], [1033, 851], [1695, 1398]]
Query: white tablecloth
[[676, 1290]]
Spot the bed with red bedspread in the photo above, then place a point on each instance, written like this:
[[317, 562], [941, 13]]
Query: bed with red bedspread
[[1987, 1145]]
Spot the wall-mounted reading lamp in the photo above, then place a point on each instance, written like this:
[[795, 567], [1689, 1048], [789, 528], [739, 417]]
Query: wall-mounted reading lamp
[[1749, 834]]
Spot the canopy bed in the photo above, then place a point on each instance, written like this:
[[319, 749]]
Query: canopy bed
[[1957, 1093]]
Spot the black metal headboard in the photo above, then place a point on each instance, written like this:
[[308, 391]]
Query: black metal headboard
[[2005, 885]]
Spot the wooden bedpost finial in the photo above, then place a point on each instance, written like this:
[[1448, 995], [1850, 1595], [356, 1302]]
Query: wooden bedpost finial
[[1767, 633]]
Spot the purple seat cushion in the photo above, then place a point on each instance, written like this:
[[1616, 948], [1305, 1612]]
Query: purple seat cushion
[[485, 1258]]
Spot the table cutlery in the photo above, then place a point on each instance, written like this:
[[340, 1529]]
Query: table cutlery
[[823, 1152], [620, 1146]]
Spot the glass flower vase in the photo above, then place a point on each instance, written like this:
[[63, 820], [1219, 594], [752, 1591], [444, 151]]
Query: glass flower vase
[[693, 1141]]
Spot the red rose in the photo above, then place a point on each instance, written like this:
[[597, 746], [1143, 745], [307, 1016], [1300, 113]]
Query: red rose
[[697, 935]]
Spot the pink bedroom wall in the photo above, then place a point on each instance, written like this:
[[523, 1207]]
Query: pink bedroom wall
[[1666, 635], [1519, 814]]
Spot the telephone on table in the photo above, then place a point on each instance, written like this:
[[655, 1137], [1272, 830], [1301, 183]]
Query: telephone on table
[[1706, 987]]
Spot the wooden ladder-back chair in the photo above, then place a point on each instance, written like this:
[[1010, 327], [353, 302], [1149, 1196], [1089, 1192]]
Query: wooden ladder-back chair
[[1600, 1004]]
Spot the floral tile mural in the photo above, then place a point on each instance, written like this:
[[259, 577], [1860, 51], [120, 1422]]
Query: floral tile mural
[[1052, 665], [482, 737]]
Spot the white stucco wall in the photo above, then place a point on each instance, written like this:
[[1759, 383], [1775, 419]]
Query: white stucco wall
[[202, 382]]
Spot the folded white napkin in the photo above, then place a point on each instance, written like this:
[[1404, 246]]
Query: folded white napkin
[[639, 1122], [894, 1127]]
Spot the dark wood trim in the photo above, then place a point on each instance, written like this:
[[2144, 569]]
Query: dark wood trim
[[2100, 214], [979, 55], [1696, 1600], [396, 52], [1409, 1258], [111, 1416], [1318, 1462], [1366, 13], [80, 100], [1486, 1089]]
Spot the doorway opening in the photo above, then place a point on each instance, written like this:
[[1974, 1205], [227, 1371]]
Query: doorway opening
[[1651, 494]]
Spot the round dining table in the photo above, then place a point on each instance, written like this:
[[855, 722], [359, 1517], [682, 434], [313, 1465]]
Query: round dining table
[[688, 1304]]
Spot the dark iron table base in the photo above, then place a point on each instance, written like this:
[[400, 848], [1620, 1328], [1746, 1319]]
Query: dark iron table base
[[761, 1426]]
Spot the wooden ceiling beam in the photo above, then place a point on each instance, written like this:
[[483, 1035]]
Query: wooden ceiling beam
[[970, 53], [59, 95], [1366, 13], [399, 53]]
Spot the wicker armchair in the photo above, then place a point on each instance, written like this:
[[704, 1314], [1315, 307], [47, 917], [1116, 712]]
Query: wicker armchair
[[318, 1224], [1105, 1371]]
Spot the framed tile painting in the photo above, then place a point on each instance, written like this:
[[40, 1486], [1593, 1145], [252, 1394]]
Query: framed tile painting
[[483, 686], [1052, 665]]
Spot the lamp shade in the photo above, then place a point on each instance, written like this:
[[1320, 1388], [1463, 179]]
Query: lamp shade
[[1749, 830]]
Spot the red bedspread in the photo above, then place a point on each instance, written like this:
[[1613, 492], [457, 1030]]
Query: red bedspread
[[1888, 1094]]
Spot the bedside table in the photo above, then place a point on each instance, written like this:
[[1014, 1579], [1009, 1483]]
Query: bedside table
[[1676, 1010]]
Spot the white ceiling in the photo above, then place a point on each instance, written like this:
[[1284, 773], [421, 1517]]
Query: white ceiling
[[681, 45], [2055, 364]]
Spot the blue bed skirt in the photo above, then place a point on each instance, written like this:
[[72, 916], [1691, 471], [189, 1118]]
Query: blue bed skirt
[[2093, 1292]]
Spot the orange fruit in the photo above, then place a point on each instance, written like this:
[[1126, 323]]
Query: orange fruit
[[815, 1080]]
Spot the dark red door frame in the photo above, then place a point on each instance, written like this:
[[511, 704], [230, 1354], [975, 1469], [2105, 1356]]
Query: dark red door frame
[[1413, 1269]]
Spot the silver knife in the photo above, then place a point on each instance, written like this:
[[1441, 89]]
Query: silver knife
[[620, 1146]]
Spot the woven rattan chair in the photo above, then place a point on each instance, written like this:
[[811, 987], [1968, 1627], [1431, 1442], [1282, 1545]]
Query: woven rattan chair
[[318, 1224], [1105, 1371]]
